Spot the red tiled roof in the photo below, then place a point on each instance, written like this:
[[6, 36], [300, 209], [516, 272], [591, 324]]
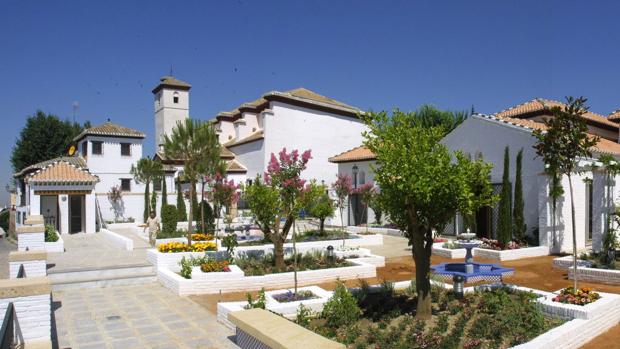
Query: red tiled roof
[[62, 172], [361, 153]]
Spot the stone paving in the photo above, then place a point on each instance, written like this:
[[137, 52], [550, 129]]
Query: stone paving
[[90, 251], [145, 316]]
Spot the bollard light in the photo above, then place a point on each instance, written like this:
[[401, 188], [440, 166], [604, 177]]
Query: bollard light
[[330, 254], [458, 281]]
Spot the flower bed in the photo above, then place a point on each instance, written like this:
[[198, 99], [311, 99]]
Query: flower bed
[[56, 246], [290, 296], [202, 237], [212, 283], [490, 244], [508, 255], [440, 250], [580, 296], [261, 265], [172, 247], [499, 318]]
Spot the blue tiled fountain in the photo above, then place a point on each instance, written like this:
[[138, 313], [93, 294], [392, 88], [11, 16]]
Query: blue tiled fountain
[[470, 270]]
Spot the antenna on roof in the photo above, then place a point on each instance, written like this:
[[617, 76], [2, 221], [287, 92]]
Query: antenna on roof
[[171, 70], [75, 106]]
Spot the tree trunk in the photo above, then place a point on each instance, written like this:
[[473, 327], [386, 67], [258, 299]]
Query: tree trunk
[[367, 220], [202, 211], [147, 202], [294, 258], [342, 225], [322, 226], [572, 213], [190, 219], [421, 250]]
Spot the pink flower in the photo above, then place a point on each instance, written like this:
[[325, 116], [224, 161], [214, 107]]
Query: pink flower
[[307, 155], [295, 155], [274, 165]]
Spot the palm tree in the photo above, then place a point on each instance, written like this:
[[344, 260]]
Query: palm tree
[[191, 141], [147, 171]]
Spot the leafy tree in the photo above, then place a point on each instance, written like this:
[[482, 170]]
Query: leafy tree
[[181, 210], [146, 171], [343, 188], [518, 215], [317, 203], [563, 142], [44, 137], [191, 141], [197, 213], [278, 196], [224, 194], [422, 185], [504, 224], [367, 193], [428, 116]]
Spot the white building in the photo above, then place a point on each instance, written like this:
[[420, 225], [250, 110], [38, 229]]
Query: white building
[[487, 136], [296, 119]]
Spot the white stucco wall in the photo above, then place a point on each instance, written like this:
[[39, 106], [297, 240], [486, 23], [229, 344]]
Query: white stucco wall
[[302, 128], [227, 131], [365, 175], [168, 113], [252, 156], [480, 135]]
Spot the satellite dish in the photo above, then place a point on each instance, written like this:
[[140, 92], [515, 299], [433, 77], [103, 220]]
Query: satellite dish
[[71, 150]]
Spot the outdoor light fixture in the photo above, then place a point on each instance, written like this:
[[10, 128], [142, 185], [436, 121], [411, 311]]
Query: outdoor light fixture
[[330, 254], [458, 280]]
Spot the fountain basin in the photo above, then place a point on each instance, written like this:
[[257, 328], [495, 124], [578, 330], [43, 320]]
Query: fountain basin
[[478, 271]]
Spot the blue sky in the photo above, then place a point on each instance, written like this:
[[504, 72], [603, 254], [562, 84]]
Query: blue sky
[[108, 55]]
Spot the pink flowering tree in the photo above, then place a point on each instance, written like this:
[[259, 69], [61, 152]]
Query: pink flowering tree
[[367, 193], [343, 188], [224, 194], [277, 196]]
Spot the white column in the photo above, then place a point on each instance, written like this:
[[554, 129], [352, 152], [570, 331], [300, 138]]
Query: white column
[[90, 223], [600, 208], [63, 213], [35, 204]]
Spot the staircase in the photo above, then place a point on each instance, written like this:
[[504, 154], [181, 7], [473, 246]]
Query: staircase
[[137, 274]]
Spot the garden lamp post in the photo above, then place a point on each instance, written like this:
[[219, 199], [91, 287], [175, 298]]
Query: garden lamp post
[[458, 281], [330, 254]]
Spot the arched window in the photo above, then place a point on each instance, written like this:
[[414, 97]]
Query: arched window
[[175, 97], [362, 177]]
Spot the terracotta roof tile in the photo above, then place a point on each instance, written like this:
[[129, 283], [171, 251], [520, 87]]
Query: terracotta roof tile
[[614, 115], [235, 166], [361, 153], [171, 81], [538, 105], [110, 129], [76, 161], [251, 138], [603, 146], [62, 172]]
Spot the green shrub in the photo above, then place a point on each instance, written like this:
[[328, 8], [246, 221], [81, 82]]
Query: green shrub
[[50, 233], [341, 309], [186, 268], [260, 300], [4, 220], [169, 216], [303, 315]]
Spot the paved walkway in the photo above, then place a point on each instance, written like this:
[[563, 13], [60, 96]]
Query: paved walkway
[[393, 246], [145, 316], [93, 251]]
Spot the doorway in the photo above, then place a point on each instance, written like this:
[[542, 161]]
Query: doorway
[[49, 210], [76, 213]]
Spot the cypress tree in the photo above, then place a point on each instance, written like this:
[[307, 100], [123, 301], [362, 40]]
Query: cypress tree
[[518, 216], [164, 195], [504, 226], [147, 202], [154, 201], [180, 203]]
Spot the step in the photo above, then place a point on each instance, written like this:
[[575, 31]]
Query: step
[[89, 274], [106, 282]]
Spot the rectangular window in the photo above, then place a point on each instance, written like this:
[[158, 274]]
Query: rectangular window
[[97, 148], [126, 149], [175, 99], [157, 185], [125, 184], [84, 149]]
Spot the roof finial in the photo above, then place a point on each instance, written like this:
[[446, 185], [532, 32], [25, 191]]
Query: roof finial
[[171, 70], [109, 120]]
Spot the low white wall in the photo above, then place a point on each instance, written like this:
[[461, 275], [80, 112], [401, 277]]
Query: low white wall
[[302, 247], [288, 310], [31, 241], [117, 239], [33, 315], [34, 268], [375, 230], [509, 255], [183, 287], [605, 276], [171, 260], [441, 251], [56, 246], [567, 262]]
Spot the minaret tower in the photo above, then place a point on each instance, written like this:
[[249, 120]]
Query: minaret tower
[[171, 106]]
